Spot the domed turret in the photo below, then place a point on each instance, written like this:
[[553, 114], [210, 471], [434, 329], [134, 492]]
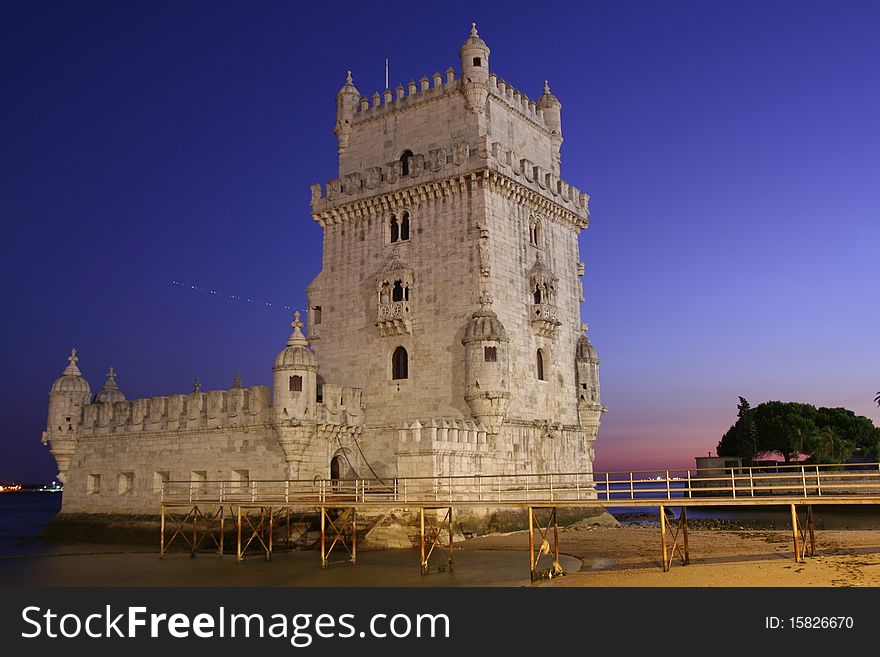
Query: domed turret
[[347, 100], [296, 371], [110, 392], [69, 394], [474, 54], [487, 366], [587, 366], [552, 110]]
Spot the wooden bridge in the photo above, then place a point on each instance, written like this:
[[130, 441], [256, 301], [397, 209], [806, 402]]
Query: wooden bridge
[[265, 512]]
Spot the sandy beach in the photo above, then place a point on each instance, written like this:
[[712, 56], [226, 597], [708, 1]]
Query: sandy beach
[[631, 556], [623, 556]]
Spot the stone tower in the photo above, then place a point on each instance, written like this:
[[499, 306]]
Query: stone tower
[[449, 290]]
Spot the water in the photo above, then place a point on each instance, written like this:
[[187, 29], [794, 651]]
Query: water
[[22, 516]]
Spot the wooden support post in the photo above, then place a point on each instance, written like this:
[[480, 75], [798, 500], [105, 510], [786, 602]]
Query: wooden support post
[[222, 518], [423, 565], [162, 535], [239, 556], [794, 531], [354, 536], [323, 530], [271, 528], [684, 529], [555, 536], [531, 544], [811, 530], [449, 557], [195, 518], [663, 538]]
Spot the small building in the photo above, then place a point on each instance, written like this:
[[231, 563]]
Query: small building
[[715, 472]]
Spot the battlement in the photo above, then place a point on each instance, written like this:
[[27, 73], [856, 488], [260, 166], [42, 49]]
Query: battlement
[[516, 100], [213, 409], [440, 433], [438, 165], [414, 93]]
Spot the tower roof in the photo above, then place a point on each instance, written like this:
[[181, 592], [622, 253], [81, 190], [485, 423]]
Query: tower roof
[[296, 354], [110, 392], [473, 41], [484, 325], [539, 269], [348, 87], [71, 379], [547, 99], [585, 350]]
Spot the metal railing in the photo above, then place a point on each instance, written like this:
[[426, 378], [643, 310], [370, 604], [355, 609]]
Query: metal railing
[[613, 488]]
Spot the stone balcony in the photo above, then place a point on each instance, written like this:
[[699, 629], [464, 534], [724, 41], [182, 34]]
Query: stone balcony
[[393, 318]]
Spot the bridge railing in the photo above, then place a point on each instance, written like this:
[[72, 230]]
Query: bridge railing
[[808, 481]]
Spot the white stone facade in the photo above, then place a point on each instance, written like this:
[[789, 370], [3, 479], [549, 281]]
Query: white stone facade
[[444, 329]]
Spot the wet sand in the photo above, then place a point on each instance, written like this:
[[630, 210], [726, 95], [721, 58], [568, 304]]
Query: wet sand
[[625, 556]]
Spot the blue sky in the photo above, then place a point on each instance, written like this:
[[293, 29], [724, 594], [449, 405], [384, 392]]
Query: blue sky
[[731, 150]]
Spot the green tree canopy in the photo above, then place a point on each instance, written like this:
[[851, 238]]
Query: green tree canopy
[[827, 435]]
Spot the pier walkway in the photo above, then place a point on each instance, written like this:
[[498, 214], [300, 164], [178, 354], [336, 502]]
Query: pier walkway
[[271, 514]]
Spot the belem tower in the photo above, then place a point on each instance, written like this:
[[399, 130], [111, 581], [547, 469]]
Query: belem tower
[[443, 334]]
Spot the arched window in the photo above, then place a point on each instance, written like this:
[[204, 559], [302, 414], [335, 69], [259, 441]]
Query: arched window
[[395, 228], [296, 383], [490, 354], [400, 292], [400, 364], [404, 226], [336, 468], [536, 233], [404, 162], [539, 358], [537, 294]]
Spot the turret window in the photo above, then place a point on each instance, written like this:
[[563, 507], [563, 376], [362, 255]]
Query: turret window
[[490, 354], [404, 162], [477, 61], [296, 383], [398, 227], [539, 362], [400, 364]]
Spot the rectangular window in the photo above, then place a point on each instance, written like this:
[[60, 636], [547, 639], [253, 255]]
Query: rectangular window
[[316, 315], [241, 480], [159, 480], [199, 481], [125, 483], [490, 354], [93, 484], [296, 383]]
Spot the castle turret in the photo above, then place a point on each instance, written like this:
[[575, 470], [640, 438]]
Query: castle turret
[[110, 393], [67, 397], [347, 100], [487, 368], [552, 109], [587, 364], [296, 373], [474, 54]]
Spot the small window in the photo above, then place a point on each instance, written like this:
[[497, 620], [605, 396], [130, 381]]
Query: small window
[[319, 389], [490, 354], [477, 61], [316, 315], [296, 383], [93, 484], [125, 483], [241, 480], [199, 481], [404, 227], [395, 228], [540, 365], [537, 294], [399, 292], [159, 480], [399, 364], [404, 162]]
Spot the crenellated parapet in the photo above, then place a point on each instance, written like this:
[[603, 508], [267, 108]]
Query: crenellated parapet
[[214, 409], [443, 434], [446, 173]]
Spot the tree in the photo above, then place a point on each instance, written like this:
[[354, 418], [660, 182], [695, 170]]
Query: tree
[[742, 438], [829, 435]]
